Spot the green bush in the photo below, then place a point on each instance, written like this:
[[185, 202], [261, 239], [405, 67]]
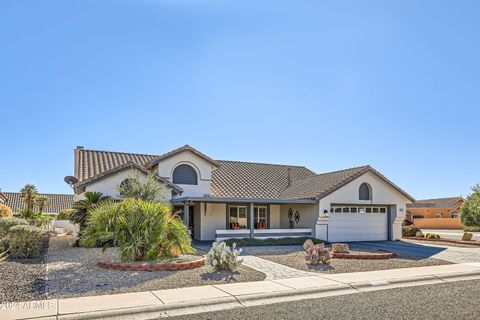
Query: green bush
[[245, 242], [26, 241], [7, 223], [472, 229], [410, 231], [432, 236], [64, 214], [470, 211], [142, 230]]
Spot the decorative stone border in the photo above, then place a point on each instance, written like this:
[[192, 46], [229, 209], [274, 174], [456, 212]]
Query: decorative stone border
[[152, 266], [474, 243], [365, 256]]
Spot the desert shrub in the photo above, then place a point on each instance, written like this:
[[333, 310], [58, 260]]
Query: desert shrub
[[432, 236], [472, 229], [26, 241], [5, 211], [470, 211], [245, 242], [142, 230], [316, 253], [64, 214], [221, 257], [6, 224], [410, 231]]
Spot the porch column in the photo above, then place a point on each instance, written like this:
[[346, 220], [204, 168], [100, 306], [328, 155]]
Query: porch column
[[252, 223], [185, 213]]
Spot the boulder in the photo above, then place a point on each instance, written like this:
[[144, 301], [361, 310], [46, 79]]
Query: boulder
[[467, 236], [340, 248], [419, 234]]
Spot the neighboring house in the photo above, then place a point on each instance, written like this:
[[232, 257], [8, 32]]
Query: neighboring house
[[225, 199], [441, 213], [58, 202], [3, 197]]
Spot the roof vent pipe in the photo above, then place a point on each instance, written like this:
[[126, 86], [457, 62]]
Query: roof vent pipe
[[289, 177]]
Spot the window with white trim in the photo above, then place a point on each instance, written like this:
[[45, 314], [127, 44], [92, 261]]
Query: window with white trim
[[363, 209], [455, 215], [260, 217], [438, 215], [237, 216]]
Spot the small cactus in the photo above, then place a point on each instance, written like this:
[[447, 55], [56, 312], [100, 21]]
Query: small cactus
[[221, 257], [316, 253]]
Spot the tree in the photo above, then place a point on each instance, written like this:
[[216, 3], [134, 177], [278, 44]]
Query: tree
[[149, 190], [82, 207], [470, 211], [28, 194], [42, 202]]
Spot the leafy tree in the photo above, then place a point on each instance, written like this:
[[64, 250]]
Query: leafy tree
[[5, 211], [42, 202], [28, 194], [470, 212], [148, 190], [82, 207]]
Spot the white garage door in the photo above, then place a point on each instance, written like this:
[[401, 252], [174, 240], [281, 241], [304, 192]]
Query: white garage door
[[358, 224]]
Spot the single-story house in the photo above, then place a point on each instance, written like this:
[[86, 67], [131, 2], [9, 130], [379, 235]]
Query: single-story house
[[3, 197], [439, 213], [221, 199], [57, 202]]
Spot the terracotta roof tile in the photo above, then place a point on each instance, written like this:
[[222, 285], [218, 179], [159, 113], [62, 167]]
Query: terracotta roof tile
[[58, 202], [436, 203]]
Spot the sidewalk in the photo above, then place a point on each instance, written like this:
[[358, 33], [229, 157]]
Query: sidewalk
[[165, 303]]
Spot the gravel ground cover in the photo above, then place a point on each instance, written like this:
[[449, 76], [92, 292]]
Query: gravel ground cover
[[295, 258], [73, 272], [23, 279]]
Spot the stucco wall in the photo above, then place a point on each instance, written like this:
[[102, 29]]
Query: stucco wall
[[382, 194], [203, 168], [274, 216], [213, 220], [439, 223], [107, 185], [308, 215]]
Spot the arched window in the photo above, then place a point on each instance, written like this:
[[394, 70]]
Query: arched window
[[184, 174], [365, 192]]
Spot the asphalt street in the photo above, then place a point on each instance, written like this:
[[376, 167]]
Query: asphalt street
[[456, 300]]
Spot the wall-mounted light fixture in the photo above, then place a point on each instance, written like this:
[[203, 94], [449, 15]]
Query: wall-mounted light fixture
[[297, 216]]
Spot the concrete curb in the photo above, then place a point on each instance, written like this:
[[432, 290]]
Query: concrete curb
[[274, 291]]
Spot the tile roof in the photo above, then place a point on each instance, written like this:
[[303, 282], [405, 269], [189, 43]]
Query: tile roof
[[58, 202], [320, 184], [3, 197], [254, 180], [234, 179], [178, 150], [91, 163], [323, 184], [436, 203]]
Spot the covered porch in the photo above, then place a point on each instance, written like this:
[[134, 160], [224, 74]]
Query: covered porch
[[226, 218]]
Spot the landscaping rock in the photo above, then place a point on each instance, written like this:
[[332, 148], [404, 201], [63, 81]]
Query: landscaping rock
[[340, 248], [419, 234], [467, 236]]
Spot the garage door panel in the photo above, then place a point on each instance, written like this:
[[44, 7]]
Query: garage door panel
[[345, 227]]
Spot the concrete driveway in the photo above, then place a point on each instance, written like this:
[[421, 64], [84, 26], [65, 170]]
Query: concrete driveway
[[451, 234], [422, 250]]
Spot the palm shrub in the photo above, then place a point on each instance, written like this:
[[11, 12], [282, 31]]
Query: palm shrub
[[5, 211], [142, 230], [41, 202], [148, 189], [29, 194], [81, 208]]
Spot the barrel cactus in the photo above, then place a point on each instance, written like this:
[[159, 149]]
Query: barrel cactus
[[221, 257], [316, 253]]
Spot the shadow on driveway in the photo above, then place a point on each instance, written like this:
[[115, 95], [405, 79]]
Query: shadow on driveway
[[404, 249]]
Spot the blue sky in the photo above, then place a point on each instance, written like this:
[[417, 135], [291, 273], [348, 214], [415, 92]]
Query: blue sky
[[325, 84]]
